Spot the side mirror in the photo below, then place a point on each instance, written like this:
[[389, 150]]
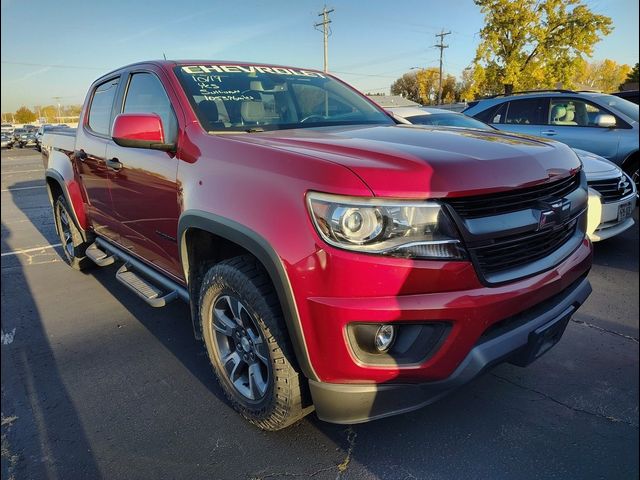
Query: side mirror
[[140, 130], [604, 120]]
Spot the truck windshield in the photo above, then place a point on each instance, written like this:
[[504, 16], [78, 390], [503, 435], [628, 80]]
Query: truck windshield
[[251, 98]]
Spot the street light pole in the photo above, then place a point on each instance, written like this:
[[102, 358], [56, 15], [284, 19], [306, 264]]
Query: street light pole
[[58, 100]]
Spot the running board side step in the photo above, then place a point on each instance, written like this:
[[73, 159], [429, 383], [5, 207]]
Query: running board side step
[[143, 288], [144, 281], [99, 257]]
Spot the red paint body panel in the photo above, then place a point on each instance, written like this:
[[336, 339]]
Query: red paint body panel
[[260, 181]]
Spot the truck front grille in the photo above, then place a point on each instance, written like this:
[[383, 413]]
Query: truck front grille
[[514, 200], [519, 233], [612, 189], [508, 253]]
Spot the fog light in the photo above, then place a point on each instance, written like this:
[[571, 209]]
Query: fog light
[[385, 336]]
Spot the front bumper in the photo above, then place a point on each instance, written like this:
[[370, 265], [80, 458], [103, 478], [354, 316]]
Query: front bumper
[[603, 220], [356, 403]]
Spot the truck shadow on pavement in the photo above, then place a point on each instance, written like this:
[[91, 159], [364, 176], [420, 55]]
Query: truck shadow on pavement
[[42, 433], [455, 437]]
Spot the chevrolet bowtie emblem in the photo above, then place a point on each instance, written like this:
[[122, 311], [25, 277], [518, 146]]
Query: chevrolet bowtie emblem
[[554, 213]]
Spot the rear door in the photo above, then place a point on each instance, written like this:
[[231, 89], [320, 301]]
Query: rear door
[[573, 121], [144, 189], [525, 116], [91, 144]]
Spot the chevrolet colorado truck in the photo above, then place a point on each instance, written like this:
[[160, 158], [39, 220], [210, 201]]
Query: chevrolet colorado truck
[[332, 259]]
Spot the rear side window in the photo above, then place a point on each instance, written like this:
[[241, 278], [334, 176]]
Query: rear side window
[[101, 106], [493, 114], [525, 112], [147, 95]]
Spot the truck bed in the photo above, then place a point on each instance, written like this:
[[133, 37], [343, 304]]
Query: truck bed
[[64, 139]]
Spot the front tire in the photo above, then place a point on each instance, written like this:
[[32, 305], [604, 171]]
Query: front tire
[[73, 245], [248, 344]]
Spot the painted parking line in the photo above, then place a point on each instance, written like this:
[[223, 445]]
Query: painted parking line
[[21, 188], [29, 250], [22, 171]]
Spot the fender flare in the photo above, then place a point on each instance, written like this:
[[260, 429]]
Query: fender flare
[[264, 252], [50, 173]]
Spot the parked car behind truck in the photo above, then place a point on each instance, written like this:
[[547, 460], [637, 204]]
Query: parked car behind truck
[[612, 193], [332, 259], [602, 124]]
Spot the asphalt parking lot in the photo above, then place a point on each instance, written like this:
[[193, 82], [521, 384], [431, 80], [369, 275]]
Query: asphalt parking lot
[[95, 384]]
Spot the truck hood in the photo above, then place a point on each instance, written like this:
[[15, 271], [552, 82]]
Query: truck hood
[[423, 162]]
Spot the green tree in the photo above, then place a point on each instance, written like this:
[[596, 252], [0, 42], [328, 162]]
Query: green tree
[[534, 43], [24, 115], [634, 74], [407, 86], [422, 87]]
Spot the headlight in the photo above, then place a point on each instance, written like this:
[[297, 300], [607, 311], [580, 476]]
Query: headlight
[[401, 228]]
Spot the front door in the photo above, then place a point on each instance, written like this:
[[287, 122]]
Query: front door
[[144, 186], [573, 121]]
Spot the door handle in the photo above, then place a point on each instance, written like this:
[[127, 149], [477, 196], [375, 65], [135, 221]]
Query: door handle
[[114, 163], [550, 133]]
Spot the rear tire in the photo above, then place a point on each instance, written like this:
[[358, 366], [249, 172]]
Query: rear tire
[[73, 245], [248, 344]]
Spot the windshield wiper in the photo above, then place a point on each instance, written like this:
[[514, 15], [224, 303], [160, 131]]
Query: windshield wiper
[[254, 130]]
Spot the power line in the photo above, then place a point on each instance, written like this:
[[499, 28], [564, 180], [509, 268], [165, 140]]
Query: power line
[[326, 31], [364, 74], [441, 46], [27, 64]]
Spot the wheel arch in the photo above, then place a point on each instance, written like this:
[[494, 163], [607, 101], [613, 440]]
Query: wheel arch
[[237, 239], [57, 186]]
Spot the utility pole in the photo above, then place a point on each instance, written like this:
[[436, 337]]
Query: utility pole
[[326, 31], [441, 46], [57, 99]]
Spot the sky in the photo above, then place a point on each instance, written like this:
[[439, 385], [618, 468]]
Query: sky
[[53, 50]]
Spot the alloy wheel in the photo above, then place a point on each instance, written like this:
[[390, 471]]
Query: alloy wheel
[[241, 348], [66, 235]]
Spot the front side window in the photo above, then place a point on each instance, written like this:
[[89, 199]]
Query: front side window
[[249, 98], [101, 107], [574, 112], [524, 112], [147, 95]]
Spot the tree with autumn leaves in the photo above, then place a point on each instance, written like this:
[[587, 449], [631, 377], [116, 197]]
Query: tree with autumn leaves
[[422, 86], [530, 44], [527, 45]]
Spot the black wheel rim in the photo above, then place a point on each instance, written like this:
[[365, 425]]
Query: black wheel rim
[[241, 348], [66, 236]]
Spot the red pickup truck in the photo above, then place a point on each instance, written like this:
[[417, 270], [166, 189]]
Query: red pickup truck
[[332, 259]]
